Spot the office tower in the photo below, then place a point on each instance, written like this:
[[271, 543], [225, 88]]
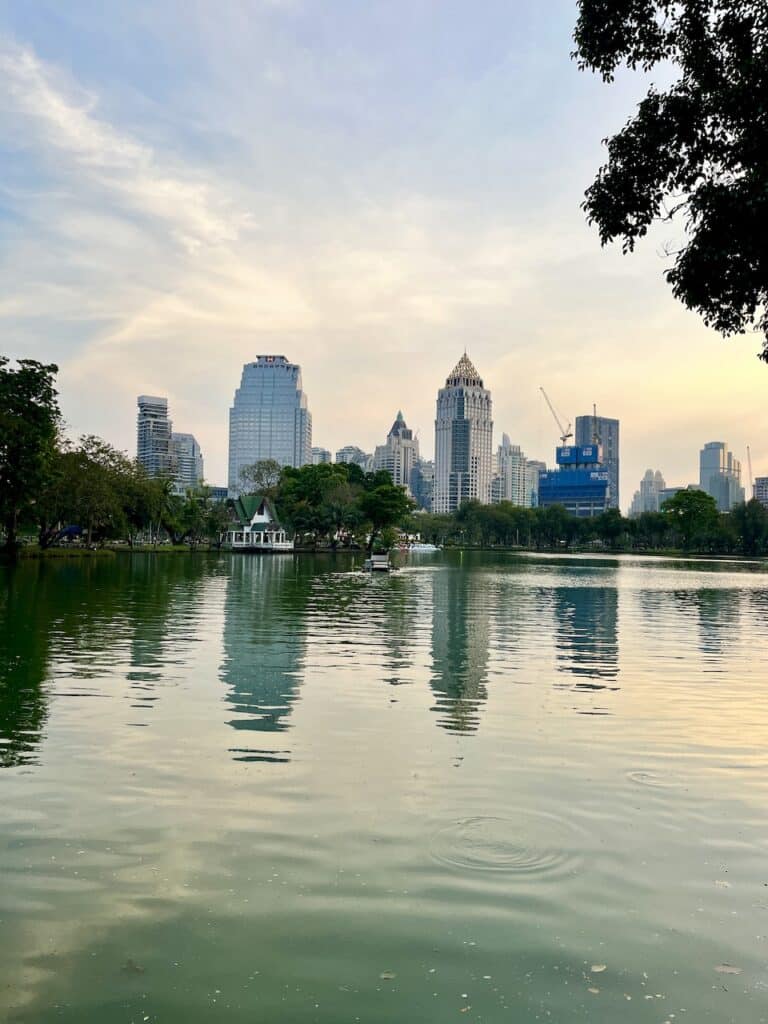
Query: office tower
[[720, 475], [463, 431], [154, 449], [647, 498], [533, 470], [423, 483], [509, 483], [320, 456], [761, 490], [605, 432], [399, 455], [351, 453], [269, 418], [187, 462]]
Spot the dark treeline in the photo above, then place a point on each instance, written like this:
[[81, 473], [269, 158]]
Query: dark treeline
[[687, 522]]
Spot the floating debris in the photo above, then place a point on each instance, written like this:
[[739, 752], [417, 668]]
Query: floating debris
[[598, 968], [728, 969], [722, 884], [594, 991], [387, 975]]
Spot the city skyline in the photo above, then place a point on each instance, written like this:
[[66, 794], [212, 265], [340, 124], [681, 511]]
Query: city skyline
[[384, 198]]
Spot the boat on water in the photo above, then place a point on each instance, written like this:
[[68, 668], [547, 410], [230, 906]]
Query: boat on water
[[378, 563]]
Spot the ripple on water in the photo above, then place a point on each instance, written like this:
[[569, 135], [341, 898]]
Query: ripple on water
[[654, 780], [530, 843]]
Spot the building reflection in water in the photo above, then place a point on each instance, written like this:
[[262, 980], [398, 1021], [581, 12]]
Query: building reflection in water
[[462, 605], [264, 648], [586, 636]]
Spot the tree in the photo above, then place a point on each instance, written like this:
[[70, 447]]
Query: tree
[[382, 506], [750, 522], [693, 514], [696, 149], [261, 478], [29, 424]]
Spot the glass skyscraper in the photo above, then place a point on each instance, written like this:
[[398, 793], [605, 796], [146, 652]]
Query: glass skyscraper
[[463, 430], [269, 418]]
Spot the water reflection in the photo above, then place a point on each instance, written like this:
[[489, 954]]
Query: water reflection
[[25, 617], [586, 635], [264, 646], [462, 606]]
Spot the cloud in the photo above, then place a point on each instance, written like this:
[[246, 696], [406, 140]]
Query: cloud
[[64, 119]]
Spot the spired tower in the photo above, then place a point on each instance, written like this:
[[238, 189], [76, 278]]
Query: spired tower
[[463, 435]]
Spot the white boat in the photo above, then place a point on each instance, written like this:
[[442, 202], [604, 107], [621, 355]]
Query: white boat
[[377, 563]]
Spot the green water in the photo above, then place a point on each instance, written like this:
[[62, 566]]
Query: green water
[[267, 789]]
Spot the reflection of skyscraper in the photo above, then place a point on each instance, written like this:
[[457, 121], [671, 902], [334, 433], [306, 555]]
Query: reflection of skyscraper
[[461, 611], [586, 636], [264, 641]]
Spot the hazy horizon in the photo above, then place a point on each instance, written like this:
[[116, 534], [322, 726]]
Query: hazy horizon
[[366, 189]]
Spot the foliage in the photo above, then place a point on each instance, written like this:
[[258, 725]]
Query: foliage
[[697, 148], [261, 478], [693, 515], [29, 423]]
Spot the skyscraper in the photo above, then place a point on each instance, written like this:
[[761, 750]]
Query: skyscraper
[[154, 449], [605, 432], [647, 498], [511, 473], [269, 418], [399, 455], [463, 431], [187, 462], [760, 490], [720, 475], [320, 456], [351, 453]]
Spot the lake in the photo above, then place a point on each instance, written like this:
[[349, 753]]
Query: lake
[[487, 787]]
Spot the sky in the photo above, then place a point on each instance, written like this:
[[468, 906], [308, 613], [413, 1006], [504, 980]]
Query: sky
[[366, 188]]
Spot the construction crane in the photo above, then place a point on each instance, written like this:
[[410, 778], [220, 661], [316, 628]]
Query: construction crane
[[749, 464], [565, 432]]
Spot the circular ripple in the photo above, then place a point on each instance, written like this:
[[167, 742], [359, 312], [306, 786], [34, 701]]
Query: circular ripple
[[527, 844], [653, 779]]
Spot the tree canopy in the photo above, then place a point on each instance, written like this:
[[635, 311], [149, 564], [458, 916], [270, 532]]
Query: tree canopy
[[696, 148]]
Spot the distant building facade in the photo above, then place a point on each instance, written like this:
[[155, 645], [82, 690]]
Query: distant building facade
[[580, 483], [509, 481], [533, 470], [269, 418], [463, 440], [399, 455], [423, 483], [154, 447], [760, 490], [647, 498], [720, 475], [320, 456], [604, 431], [351, 453], [187, 462]]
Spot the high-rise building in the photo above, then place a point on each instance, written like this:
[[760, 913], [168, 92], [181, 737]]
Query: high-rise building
[[720, 475], [760, 490], [647, 499], [463, 432], [351, 453], [399, 455], [187, 462], [154, 449], [423, 483], [320, 456], [580, 483], [533, 471], [269, 418], [509, 482], [603, 431]]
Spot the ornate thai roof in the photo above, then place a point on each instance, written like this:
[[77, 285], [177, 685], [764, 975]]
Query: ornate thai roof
[[465, 373]]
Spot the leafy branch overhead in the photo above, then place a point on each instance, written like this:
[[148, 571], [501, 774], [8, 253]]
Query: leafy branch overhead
[[697, 147]]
